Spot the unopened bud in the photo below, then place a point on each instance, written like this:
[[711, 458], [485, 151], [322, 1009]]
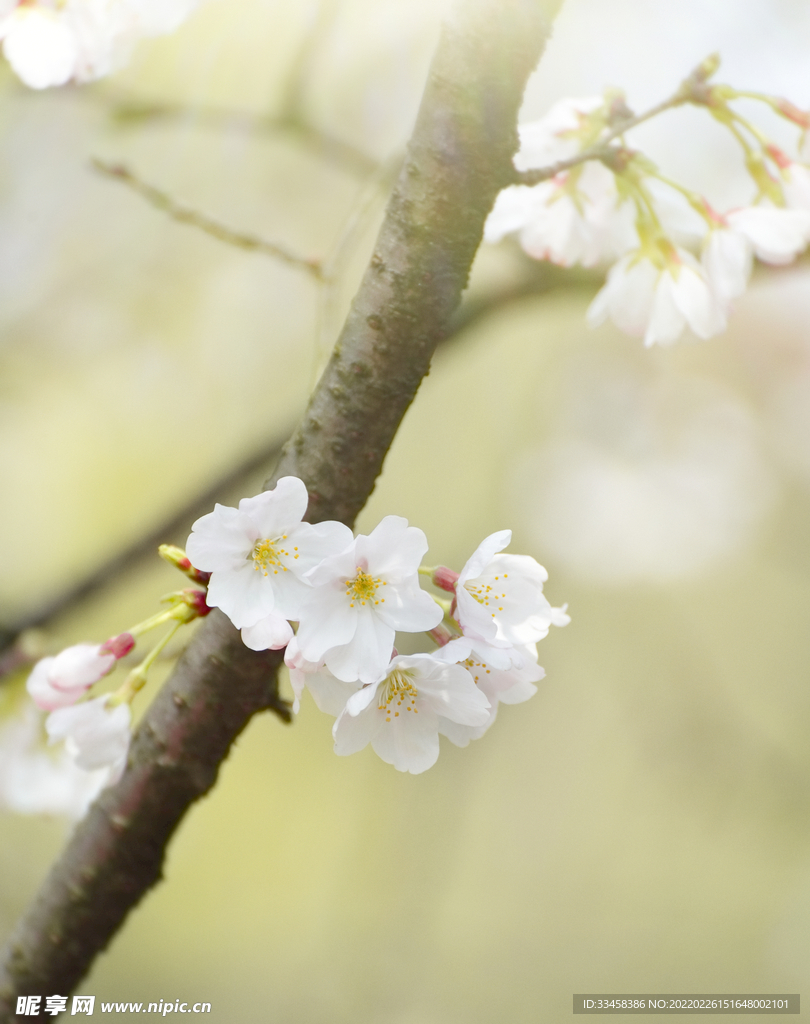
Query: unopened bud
[[195, 599], [119, 645], [707, 67], [444, 578], [793, 113], [617, 109], [179, 559], [695, 86], [782, 160]]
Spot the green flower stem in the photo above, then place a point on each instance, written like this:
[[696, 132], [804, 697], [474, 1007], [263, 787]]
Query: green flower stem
[[695, 200], [152, 622], [136, 680]]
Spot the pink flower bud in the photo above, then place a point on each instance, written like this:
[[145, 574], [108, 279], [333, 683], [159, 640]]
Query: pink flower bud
[[794, 113], [119, 645], [179, 559], [445, 578], [195, 599], [61, 681]]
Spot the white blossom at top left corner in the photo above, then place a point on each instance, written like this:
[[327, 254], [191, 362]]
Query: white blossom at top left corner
[[49, 43]]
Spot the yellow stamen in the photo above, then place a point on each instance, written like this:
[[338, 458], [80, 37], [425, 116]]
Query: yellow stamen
[[363, 588], [266, 556]]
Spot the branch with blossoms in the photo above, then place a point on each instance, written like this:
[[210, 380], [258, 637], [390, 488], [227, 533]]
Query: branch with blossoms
[[458, 159], [582, 196]]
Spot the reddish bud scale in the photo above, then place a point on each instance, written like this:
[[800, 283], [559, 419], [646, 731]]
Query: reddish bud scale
[[445, 579], [195, 599], [793, 113], [119, 645], [179, 559], [779, 158]]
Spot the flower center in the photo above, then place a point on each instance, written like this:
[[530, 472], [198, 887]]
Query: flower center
[[484, 593], [363, 588], [398, 688], [476, 668], [266, 555]]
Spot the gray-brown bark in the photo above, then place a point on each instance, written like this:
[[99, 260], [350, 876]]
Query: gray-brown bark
[[458, 159]]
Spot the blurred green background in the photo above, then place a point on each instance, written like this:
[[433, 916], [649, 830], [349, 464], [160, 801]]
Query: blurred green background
[[641, 824]]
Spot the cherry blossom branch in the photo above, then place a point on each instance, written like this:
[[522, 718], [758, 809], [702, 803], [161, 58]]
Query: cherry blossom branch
[[532, 280], [693, 89], [187, 215], [458, 159]]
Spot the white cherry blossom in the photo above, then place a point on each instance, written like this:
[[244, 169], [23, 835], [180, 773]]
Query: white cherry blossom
[[400, 714], [258, 555], [39, 46], [35, 780], [329, 693], [61, 680], [96, 734], [361, 597], [499, 598], [576, 217], [643, 297], [49, 43], [796, 184], [503, 675], [774, 235], [557, 135]]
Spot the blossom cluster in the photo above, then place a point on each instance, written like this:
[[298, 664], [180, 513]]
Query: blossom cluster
[[616, 206], [350, 595], [336, 603], [90, 736], [51, 42]]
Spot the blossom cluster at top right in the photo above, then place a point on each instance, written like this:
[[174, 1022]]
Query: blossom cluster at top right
[[608, 202]]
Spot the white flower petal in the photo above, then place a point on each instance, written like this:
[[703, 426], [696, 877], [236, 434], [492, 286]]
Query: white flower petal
[[327, 621], [268, 634], [695, 300], [483, 554], [514, 207], [409, 608], [275, 512], [410, 745], [245, 595], [777, 235], [727, 260], [40, 47], [95, 735], [367, 655], [393, 550], [222, 539]]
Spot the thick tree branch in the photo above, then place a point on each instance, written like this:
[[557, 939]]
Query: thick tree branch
[[459, 158]]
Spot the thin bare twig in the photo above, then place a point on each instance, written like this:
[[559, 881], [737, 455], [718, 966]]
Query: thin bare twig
[[187, 215]]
